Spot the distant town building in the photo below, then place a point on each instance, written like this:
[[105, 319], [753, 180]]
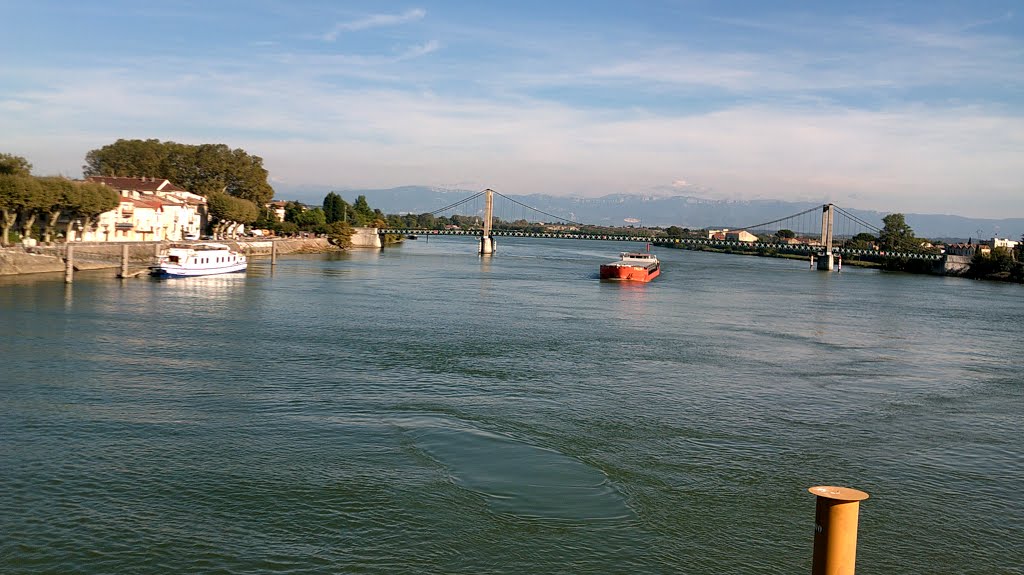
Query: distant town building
[[793, 241], [967, 250], [151, 209], [1003, 243], [740, 236], [277, 209]]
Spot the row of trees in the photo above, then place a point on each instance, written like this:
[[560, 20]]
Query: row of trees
[[30, 199], [233, 181], [201, 169]]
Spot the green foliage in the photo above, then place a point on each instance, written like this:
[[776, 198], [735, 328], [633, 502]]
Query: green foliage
[[675, 232], [16, 193], [787, 234], [340, 234], [91, 199], [997, 263], [292, 211], [425, 221], [310, 219], [28, 198], [335, 208], [364, 215], [862, 241], [202, 169], [14, 165], [287, 228], [896, 235], [227, 209]]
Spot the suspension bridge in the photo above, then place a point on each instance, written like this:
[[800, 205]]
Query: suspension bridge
[[825, 233]]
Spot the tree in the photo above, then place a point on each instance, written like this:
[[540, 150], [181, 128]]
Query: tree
[[292, 211], [60, 192], [426, 221], [786, 234], [335, 208], [340, 234], [999, 261], [89, 200], [43, 197], [862, 241], [229, 212], [16, 192], [202, 169], [675, 232], [896, 235], [310, 219], [364, 214], [14, 165]]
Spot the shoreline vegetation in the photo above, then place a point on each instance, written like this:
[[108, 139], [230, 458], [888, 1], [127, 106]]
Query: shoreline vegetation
[[231, 193], [981, 268], [107, 255]]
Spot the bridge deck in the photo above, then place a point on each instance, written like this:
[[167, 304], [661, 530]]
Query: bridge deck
[[809, 249]]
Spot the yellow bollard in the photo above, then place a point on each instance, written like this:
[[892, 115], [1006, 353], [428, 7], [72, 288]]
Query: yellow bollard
[[835, 529]]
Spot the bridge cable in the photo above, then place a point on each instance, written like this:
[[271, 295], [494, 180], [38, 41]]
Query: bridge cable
[[858, 220], [780, 219], [559, 218], [457, 204]]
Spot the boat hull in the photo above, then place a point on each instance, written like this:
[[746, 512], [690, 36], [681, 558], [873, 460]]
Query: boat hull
[[619, 272], [169, 271]]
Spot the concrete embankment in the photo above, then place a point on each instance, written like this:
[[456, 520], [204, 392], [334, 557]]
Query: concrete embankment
[[101, 255]]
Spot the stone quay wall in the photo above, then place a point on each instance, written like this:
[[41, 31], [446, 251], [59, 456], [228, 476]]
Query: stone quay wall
[[101, 255]]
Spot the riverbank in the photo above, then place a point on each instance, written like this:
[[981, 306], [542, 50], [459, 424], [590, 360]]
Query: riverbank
[[961, 268], [107, 255], [764, 254]]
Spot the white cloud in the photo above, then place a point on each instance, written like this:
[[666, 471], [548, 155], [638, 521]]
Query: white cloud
[[901, 159], [374, 21], [386, 120]]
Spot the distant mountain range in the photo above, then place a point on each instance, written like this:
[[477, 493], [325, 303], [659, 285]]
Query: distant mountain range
[[663, 211]]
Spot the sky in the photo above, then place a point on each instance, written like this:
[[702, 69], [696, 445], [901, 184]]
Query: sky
[[912, 106]]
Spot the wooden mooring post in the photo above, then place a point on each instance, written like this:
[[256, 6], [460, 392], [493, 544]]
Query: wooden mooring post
[[69, 264], [124, 261], [273, 252], [835, 529]]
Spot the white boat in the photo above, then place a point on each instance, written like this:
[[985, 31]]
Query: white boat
[[188, 260]]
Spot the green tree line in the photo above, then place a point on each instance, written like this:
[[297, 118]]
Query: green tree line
[[201, 169], [26, 199]]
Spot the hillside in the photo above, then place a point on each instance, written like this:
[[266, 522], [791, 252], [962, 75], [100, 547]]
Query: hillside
[[663, 211]]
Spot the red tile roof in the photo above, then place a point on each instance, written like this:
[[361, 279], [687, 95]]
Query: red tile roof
[[150, 202]]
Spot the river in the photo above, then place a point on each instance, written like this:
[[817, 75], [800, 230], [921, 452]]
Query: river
[[424, 410]]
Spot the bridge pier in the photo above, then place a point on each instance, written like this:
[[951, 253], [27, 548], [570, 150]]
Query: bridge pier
[[486, 241], [826, 261]]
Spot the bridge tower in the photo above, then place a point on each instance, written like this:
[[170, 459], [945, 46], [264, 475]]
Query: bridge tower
[[486, 241], [826, 259]]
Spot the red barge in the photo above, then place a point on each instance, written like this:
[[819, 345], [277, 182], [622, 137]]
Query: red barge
[[638, 267]]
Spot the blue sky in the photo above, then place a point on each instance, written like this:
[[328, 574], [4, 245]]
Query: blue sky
[[894, 106]]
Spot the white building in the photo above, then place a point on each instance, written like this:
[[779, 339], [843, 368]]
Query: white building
[[151, 209], [1003, 243]]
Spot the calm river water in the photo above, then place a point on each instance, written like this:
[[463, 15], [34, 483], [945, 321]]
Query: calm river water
[[423, 410]]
